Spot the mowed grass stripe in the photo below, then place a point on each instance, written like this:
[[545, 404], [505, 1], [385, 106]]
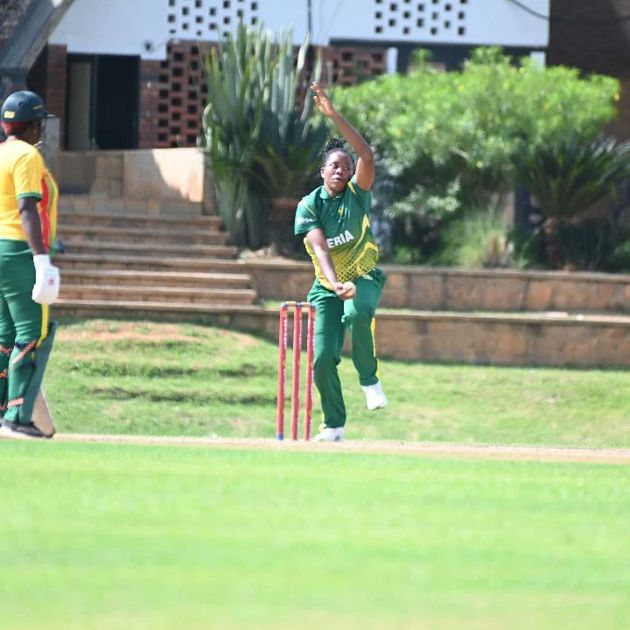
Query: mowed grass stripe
[[148, 378], [122, 536]]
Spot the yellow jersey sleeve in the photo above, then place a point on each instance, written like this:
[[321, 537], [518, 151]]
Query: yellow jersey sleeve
[[28, 171]]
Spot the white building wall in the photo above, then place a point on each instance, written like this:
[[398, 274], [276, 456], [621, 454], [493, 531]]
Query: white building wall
[[143, 27], [115, 27]]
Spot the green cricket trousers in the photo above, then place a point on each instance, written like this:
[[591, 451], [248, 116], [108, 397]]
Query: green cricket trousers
[[22, 323], [333, 317]]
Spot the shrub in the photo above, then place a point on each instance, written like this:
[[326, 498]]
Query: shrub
[[469, 130]]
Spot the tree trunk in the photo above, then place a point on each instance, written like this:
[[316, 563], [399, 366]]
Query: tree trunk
[[281, 219], [553, 247]]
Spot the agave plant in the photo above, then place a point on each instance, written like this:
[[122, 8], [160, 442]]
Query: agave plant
[[261, 145], [239, 73], [290, 138], [571, 176]]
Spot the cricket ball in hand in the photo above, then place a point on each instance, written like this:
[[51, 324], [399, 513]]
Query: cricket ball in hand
[[351, 289]]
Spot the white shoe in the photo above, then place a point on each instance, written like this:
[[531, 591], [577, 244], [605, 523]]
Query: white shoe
[[329, 435], [374, 396]]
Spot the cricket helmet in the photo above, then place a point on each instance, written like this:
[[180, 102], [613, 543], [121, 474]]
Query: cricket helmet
[[23, 106]]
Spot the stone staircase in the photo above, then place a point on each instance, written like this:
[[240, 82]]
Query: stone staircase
[[140, 263]]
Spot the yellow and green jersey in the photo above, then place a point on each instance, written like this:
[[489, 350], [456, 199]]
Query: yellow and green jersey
[[345, 221], [21, 173]]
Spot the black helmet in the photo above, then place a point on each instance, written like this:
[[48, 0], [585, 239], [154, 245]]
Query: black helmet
[[23, 106]]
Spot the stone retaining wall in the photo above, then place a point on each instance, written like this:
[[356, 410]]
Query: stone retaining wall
[[535, 340], [444, 289]]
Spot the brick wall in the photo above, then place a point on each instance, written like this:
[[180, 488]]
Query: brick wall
[[350, 65], [181, 96], [173, 92], [55, 95]]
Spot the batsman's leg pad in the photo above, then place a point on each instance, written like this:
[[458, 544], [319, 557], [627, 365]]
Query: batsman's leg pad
[[38, 359]]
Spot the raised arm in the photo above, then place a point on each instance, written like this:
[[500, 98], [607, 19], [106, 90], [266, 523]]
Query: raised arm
[[364, 174]]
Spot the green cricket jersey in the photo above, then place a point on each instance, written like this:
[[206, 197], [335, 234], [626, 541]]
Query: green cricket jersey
[[345, 222]]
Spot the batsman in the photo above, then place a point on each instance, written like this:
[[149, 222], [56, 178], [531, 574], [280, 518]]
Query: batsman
[[28, 280], [348, 285]]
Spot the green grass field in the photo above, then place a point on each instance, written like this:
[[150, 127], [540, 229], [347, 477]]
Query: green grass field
[[186, 379], [121, 536]]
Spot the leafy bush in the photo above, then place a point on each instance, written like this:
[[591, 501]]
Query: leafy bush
[[475, 240], [619, 260], [468, 131]]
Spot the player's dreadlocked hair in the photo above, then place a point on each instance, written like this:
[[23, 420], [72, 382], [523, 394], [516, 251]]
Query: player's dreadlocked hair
[[335, 144]]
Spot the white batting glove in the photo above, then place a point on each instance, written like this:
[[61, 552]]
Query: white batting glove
[[46, 289]]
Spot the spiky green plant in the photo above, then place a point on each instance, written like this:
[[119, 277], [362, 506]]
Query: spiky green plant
[[260, 143], [290, 138], [568, 177], [239, 73]]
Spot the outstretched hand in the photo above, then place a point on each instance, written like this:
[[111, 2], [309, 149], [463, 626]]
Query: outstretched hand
[[321, 99]]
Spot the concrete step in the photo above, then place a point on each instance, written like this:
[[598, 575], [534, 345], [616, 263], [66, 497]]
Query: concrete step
[[148, 249], [182, 295], [104, 204], [97, 261], [208, 222], [135, 278], [197, 235], [177, 310]]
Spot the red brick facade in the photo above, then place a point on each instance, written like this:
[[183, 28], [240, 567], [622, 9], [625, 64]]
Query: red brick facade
[[173, 92], [56, 68]]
